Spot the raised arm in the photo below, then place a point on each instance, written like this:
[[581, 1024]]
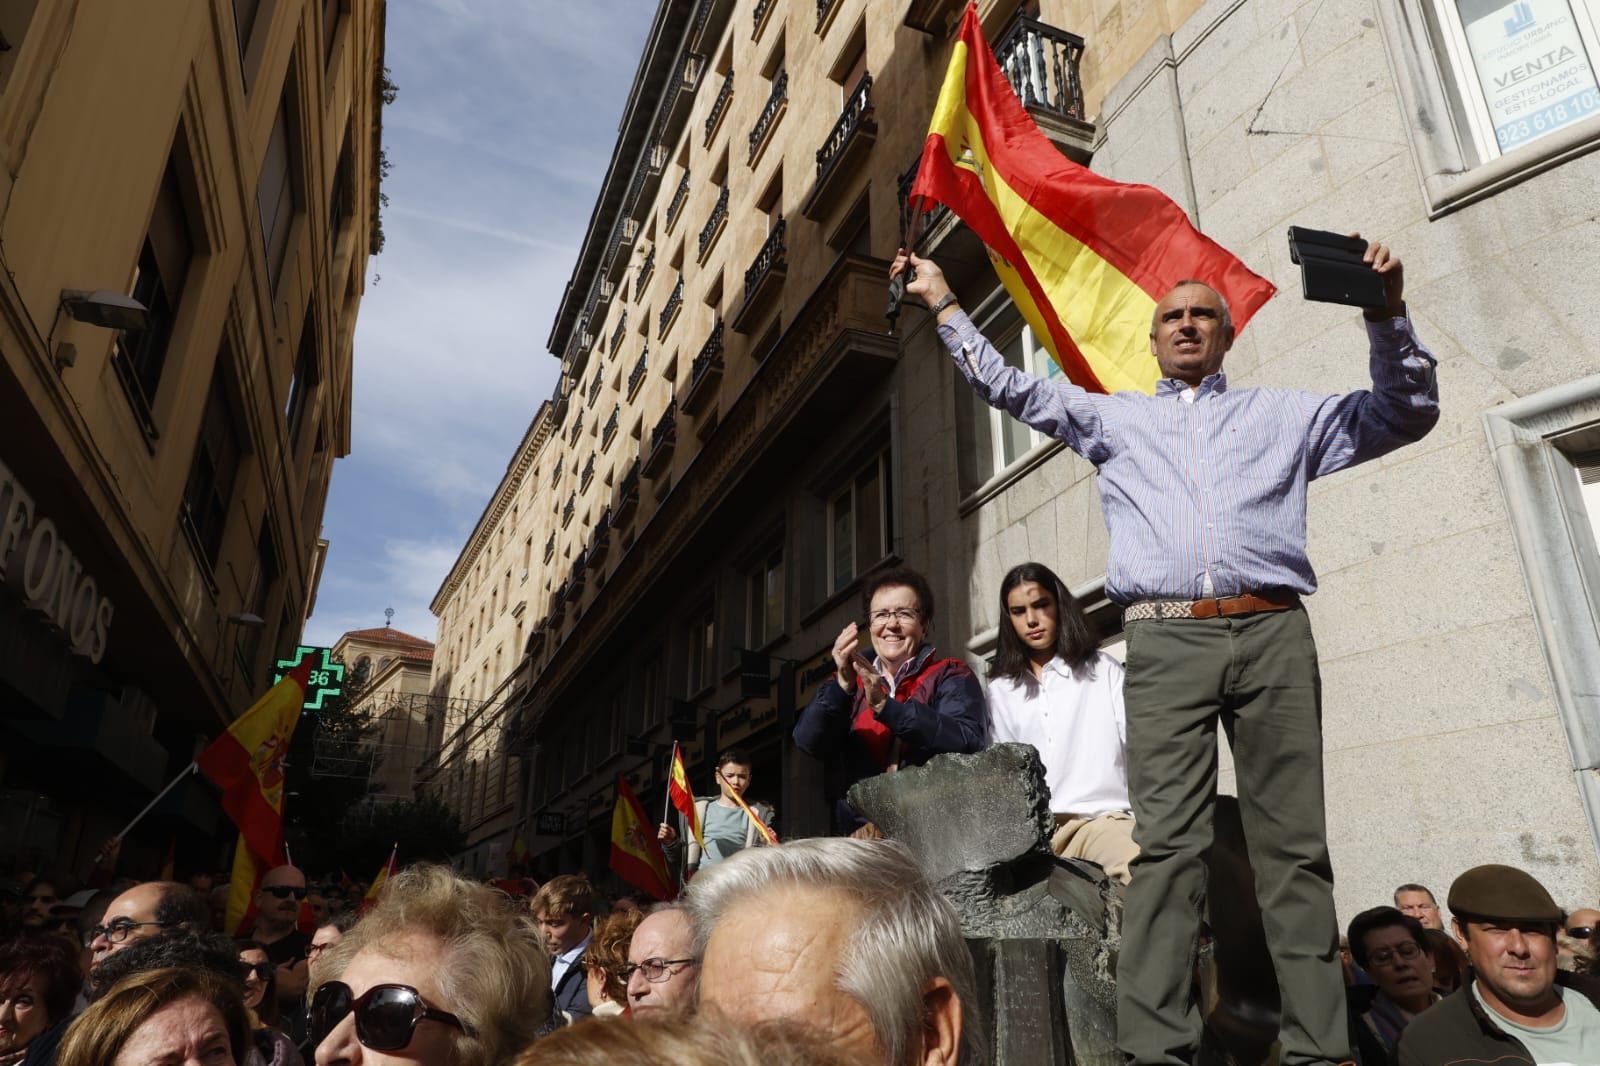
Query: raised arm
[[1059, 409]]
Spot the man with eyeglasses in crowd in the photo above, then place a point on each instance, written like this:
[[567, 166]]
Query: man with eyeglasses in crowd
[[1393, 949], [662, 973], [897, 707], [144, 911], [277, 930]]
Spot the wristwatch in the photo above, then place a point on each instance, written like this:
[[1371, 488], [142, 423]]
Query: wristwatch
[[944, 301]]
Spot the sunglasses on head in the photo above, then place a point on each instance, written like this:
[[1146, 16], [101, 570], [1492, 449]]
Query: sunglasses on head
[[285, 891], [386, 1015]]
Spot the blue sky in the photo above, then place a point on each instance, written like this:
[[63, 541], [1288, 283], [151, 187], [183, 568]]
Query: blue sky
[[502, 131]]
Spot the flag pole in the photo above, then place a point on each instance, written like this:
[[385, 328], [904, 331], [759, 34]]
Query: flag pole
[[148, 807], [666, 809], [908, 241]]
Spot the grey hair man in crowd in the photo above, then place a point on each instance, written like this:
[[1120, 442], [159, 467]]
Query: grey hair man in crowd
[[843, 936]]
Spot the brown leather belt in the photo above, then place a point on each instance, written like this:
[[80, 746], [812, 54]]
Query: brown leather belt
[[1249, 603]]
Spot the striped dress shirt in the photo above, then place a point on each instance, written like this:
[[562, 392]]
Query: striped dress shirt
[[1208, 498]]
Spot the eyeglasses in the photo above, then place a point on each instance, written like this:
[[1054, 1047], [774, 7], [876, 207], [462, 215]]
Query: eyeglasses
[[116, 932], [315, 949], [260, 970], [654, 970], [1384, 956], [899, 614], [386, 1015], [1581, 932], [284, 891]]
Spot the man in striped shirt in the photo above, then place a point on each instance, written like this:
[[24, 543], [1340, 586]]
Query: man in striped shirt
[[1204, 493]]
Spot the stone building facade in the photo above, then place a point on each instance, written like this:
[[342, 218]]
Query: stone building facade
[[188, 200], [737, 438]]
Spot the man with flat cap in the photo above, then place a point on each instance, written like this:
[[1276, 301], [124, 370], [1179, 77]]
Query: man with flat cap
[[1515, 1007]]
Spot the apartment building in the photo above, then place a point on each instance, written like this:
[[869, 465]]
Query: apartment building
[[486, 608], [190, 196], [390, 673], [738, 438]]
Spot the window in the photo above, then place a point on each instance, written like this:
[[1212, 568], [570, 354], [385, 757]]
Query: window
[[306, 376], [647, 706], [209, 490], [989, 441], [764, 601], [1522, 68], [340, 196], [702, 650], [275, 193], [164, 259], [859, 523]]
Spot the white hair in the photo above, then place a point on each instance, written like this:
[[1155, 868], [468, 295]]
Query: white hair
[[908, 934]]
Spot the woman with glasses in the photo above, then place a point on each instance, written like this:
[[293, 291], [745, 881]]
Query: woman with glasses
[[174, 1014], [439, 972], [261, 999], [1393, 949], [39, 980], [893, 703]]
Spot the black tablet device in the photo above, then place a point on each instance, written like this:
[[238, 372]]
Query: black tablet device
[[1331, 269]]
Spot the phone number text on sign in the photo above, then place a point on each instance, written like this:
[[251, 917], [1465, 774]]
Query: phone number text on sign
[[1552, 117]]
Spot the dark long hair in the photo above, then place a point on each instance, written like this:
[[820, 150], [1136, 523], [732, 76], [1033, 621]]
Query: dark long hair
[[1075, 642]]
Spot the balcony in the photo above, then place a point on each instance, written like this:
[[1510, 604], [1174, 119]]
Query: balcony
[[594, 387], [662, 438], [573, 433], [636, 375], [825, 13], [558, 603], [763, 280], [719, 107], [627, 495], [675, 205], [574, 583], [600, 541], [669, 313], [714, 225], [705, 374], [759, 15], [679, 97], [555, 476], [777, 103], [709, 19], [843, 154], [622, 238], [618, 333], [645, 179], [568, 511], [608, 434], [646, 268], [1041, 63], [587, 476], [549, 547]]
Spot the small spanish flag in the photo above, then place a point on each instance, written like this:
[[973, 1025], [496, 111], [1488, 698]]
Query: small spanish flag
[[761, 827], [1085, 259], [682, 796], [380, 882], [636, 854]]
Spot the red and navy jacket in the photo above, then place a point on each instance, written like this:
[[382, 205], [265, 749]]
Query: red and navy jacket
[[937, 707]]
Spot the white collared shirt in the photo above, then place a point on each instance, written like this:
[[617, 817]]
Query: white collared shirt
[[1077, 723], [563, 962]]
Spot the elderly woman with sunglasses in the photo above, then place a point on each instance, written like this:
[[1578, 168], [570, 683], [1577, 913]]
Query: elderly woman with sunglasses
[[439, 972]]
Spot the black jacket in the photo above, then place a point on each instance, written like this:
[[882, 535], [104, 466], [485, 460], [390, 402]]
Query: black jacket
[[1458, 1031]]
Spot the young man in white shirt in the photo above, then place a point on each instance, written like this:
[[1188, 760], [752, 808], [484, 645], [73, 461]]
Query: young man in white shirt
[[1051, 687]]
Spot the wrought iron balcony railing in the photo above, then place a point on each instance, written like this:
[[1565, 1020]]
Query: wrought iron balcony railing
[[664, 426], [650, 166], [555, 475], [710, 352], [719, 105], [1041, 63], [594, 387], [630, 485], [577, 428], [856, 111], [549, 547], [770, 255], [618, 333], [587, 476], [646, 268], [769, 114], [678, 197], [823, 7], [567, 511], [670, 311], [713, 226], [610, 432], [636, 375], [759, 14]]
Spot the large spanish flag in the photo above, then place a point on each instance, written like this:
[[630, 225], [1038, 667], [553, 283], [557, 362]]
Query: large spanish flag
[[1084, 258], [247, 762], [636, 854], [682, 796]]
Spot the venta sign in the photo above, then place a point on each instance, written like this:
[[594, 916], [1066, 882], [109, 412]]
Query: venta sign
[[37, 560]]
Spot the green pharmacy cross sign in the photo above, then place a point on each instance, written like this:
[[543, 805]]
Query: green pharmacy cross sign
[[327, 676]]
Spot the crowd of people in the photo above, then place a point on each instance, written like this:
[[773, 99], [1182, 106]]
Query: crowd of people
[[838, 949]]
